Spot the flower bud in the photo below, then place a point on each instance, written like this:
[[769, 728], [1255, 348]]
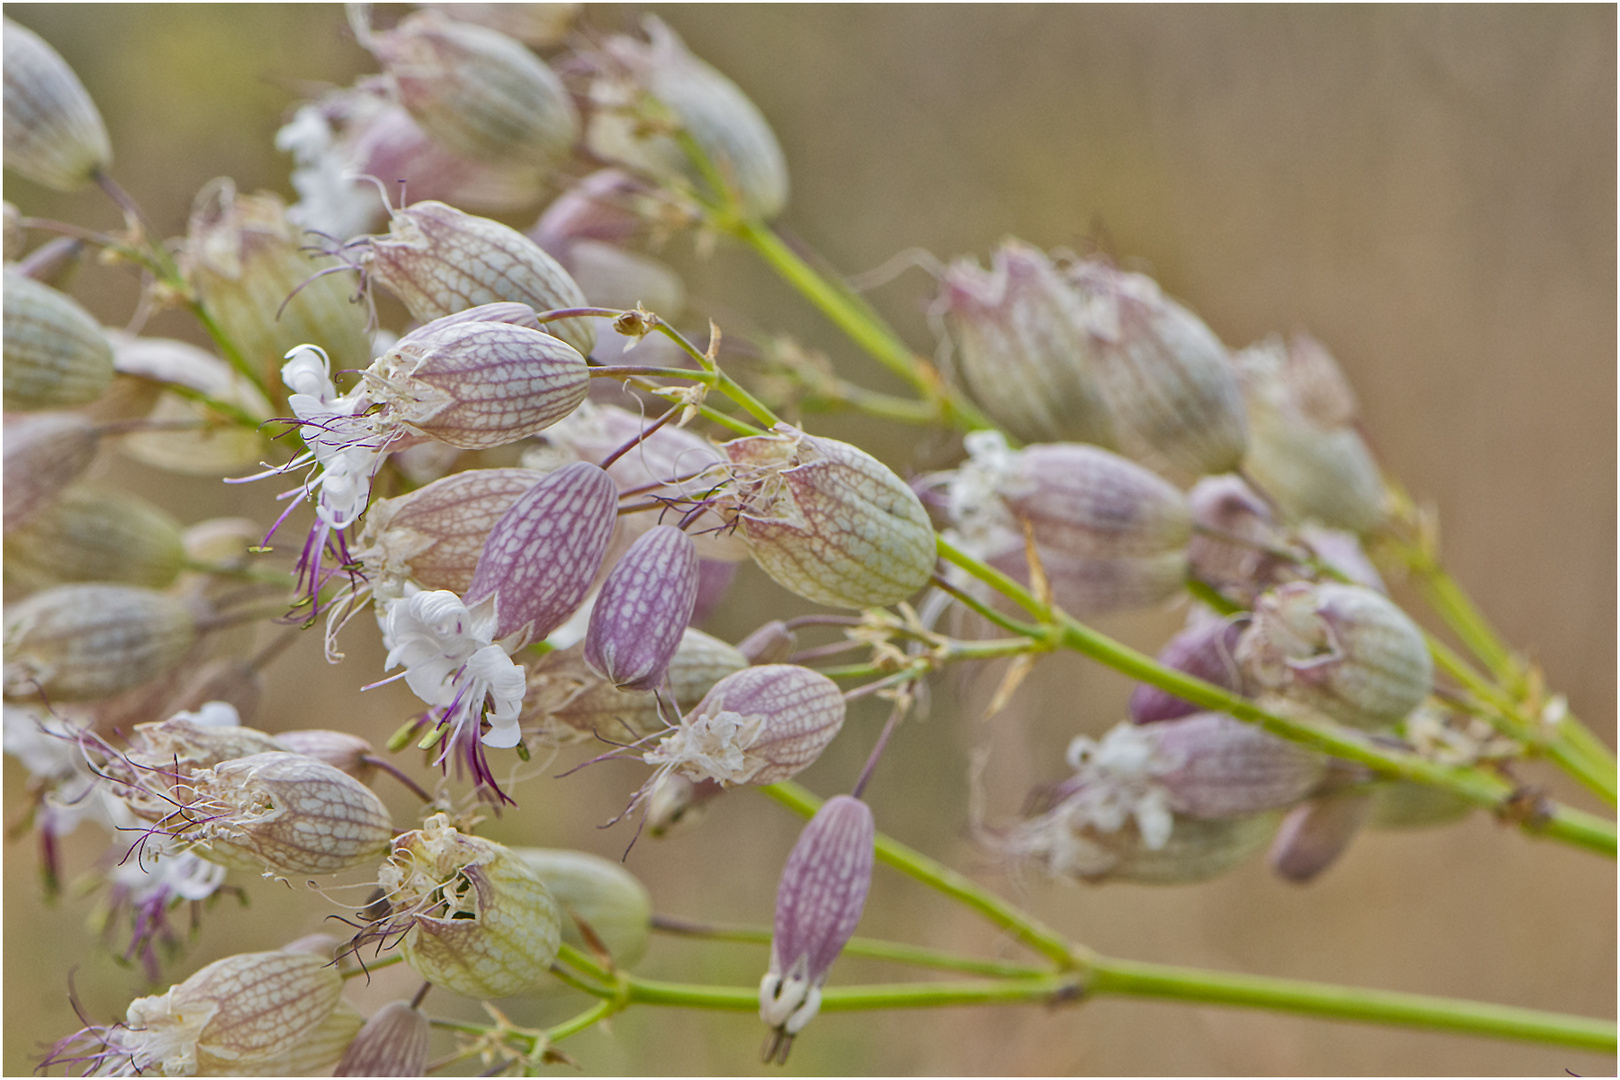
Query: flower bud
[[1205, 649], [477, 384], [568, 702], [642, 610], [536, 25], [609, 206], [827, 521], [264, 1013], [1241, 567], [477, 91], [43, 455], [219, 448], [53, 133], [56, 354], [1220, 767], [696, 99], [285, 814], [1315, 834], [440, 261], [246, 261], [543, 554], [598, 892], [474, 919], [95, 534], [434, 535], [349, 754], [757, 726], [1303, 448], [394, 1042], [1342, 650], [818, 905], [1169, 383], [82, 642], [1022, 349], [388, 142]]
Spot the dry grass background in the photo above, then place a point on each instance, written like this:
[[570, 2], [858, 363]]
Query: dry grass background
[[1431, 191]]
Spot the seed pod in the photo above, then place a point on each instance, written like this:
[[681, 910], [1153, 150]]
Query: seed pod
[[1022, 349], [600, 893], [757, 726], [246, 261], [1169, 383], [53, 133], [440, 261], [1314, 835], [220, 448], [818, 905], [477, 91], [543, 554], [285, 814], [1303, 448], [434, 535], [1343, 650], [536, 25], [568, 702], [56, 354], [703, 103], [95, 534], [828, 521], [476, 384], [642, 610], [82, 642], [1205, 649], [474, 918], [44, 454], [394, 1042]]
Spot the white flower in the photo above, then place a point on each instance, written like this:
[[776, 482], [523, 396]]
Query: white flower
[[452, 664], [1117, 779], [712, 748]]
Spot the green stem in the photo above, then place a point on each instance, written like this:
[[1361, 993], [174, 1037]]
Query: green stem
[[1039, 937], [1547, 819], [589, 1018], [1124, 978]]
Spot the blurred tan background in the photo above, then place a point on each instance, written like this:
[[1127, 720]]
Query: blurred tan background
[[1430, 191]]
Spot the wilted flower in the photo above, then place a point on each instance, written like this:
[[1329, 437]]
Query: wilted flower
[[263, 1013], [818, 904], [648, 88], [642, 610], [469, 913], [826, 520], [56, 354], [1343, 650], [53, 133]]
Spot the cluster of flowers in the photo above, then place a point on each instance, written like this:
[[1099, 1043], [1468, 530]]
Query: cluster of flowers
[[613, 534]]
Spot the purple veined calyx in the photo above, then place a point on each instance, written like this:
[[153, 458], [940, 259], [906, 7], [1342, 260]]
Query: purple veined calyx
[[535, 570], [818, 905], [643, 609]]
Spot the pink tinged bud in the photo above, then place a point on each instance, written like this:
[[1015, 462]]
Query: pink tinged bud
[[477, 91], [349, 754], [818, 905], [56, 355], [83, 642], [1303, 448], [53, 134], [1238, 567], [440, 261], [1226, 768], [1206, 650], [642, 610], [474, 918], [392, 146], [476, 385], [43, 454], [1314, 835], [1342, 650], [702, 102], [543, 554], [758, 726], [250, 1014], [284, 814], [394, 1042], [609, 206], [1168, 380], [1022, 348], [435, 534], [827, 521]]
